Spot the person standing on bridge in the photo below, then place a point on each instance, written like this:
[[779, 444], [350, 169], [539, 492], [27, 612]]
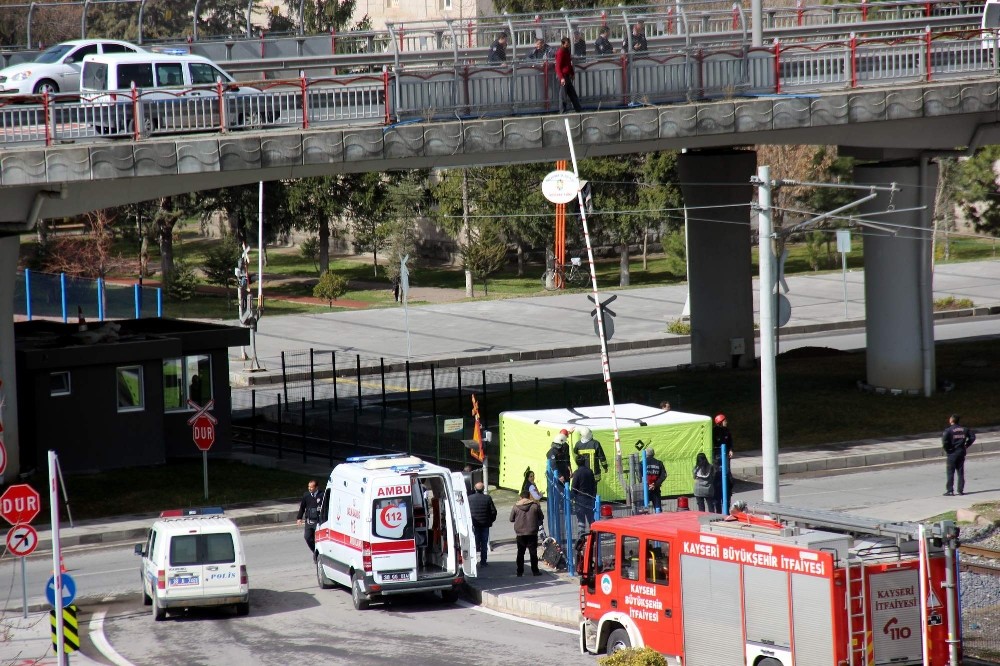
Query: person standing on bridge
[[579, 45], [638, 38], [565, 74], [956, 440], [498, 49], [602, 45]]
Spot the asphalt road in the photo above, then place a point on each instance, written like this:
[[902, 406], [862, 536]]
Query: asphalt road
[[292, 620]]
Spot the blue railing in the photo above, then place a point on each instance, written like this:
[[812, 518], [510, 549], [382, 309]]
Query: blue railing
[[66, 297]]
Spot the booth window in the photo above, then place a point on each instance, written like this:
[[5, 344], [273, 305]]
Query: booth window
[[59, 384], [130, 388], [188, 378], [657, 562]]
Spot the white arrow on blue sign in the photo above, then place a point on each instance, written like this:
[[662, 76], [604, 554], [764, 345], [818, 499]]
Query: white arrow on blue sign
[[68, 590]]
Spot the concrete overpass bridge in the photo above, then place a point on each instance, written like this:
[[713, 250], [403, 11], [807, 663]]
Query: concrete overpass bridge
[[898, 106]]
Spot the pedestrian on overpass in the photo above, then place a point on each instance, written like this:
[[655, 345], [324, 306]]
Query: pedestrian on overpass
[[483, 512], [498, 49], [956, 440], [565, 74], [309, 514]]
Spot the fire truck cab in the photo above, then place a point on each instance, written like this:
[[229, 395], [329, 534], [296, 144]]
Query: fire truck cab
[[777, 586], [394, 524]]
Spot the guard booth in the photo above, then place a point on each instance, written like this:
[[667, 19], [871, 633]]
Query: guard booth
[[677, 437]]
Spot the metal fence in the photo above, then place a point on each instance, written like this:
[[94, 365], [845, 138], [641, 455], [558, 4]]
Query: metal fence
[[680, 18], [65, 297]]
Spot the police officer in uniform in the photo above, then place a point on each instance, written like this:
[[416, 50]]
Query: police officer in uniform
[[309, 514], [498, 49], [956, 439], [656, 474]]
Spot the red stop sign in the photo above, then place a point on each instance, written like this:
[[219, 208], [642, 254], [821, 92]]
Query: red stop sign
[[19, 504], [203, 432]]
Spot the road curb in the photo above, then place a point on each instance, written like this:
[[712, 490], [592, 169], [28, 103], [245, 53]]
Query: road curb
[[527, 608]]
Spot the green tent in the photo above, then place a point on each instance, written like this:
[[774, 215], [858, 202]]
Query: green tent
[[677, 437]]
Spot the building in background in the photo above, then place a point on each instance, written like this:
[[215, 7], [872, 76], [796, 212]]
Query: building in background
[[401, 11]]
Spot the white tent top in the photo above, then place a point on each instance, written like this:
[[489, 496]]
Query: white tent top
[[629, 415]]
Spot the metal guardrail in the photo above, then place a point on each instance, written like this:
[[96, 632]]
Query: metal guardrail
[[480, 90]]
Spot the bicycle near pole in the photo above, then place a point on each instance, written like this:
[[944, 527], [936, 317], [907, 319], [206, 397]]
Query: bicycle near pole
[[562, 275]]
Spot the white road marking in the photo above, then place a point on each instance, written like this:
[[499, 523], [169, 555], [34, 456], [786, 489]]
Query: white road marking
[[82, 574], [100, 641], [515, 618]]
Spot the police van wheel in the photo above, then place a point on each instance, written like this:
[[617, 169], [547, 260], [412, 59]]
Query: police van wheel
[[158, 613], [243, 609], [146, 599], [618, 640], [449, 596], [358, 594], [321, 577], [768, 662]]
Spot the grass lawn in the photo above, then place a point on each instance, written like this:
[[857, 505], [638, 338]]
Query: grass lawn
[[176, 485]]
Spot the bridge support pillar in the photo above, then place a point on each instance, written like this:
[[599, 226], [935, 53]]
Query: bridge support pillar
[[720, 275], [899, 297], [9, 246]]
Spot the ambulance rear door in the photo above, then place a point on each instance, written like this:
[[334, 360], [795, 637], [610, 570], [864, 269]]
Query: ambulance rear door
[[394, 554], [463, 524]]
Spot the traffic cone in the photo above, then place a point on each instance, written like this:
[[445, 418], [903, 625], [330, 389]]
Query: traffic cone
[[62, 565]]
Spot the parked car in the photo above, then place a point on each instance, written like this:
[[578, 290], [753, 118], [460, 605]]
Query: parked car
[[57, 68], [175, 93]]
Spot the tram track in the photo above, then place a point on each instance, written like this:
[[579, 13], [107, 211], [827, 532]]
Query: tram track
[[991, 568]]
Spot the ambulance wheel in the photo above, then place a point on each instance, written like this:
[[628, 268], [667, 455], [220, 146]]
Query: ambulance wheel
[[321, 577], [358, 593], [618, 640], [243, 609], [449, 596], [158, 613]]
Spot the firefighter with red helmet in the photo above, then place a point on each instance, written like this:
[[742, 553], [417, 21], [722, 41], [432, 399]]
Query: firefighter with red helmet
[[721, 436]]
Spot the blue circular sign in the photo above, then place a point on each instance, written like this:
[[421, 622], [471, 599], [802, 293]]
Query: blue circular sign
[[68, 590]]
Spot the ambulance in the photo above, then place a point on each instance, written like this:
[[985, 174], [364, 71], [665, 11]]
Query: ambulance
[[775, 586], [394, 524]]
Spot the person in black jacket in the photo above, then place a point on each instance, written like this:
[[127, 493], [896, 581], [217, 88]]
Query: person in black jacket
[[309, 514], [602, 45], [721, 435], [483, 512], [584, 491], [955, 440], [498, 49], [638, 38], [656, 474], [579, 45]]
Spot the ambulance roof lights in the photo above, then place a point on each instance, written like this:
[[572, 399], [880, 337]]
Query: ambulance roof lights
[[407, 469], [196, 511]]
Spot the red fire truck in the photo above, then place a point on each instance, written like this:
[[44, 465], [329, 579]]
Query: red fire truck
[[771, 586]]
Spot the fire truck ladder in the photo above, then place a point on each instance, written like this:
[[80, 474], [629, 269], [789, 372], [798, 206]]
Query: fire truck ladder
[[841, 522], [857, 612]]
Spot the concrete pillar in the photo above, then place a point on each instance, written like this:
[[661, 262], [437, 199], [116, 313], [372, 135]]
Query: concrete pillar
[[899, 297], [720, 279], [9, 246]]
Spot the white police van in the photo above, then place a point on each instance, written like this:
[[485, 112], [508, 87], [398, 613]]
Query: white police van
[[392, 525], [193, 558]]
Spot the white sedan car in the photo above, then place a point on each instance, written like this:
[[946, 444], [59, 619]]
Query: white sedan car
[[57, 68]]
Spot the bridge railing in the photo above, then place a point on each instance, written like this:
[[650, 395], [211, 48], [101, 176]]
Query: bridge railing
[[478, 90]]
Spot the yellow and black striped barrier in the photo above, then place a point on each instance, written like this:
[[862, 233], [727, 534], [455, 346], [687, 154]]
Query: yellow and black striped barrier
[[71, 632]]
